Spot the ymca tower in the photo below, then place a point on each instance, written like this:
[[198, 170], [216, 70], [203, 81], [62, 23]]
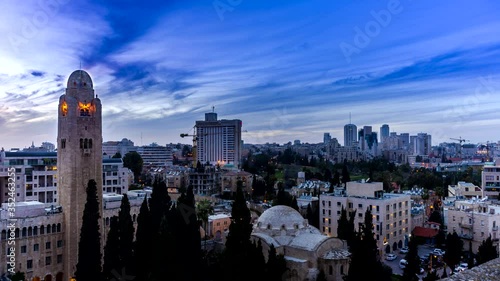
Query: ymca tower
[[79, 158]]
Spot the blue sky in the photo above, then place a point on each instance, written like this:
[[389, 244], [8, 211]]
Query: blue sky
[[288, 69]]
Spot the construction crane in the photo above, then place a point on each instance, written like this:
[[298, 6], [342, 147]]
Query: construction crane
[[460, 140]]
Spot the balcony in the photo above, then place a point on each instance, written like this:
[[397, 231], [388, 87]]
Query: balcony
[[465, 225]]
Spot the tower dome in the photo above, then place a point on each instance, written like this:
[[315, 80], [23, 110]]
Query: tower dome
[[281, 216], [80, 79]]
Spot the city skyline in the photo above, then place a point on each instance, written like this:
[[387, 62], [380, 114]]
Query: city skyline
[[288, 70]]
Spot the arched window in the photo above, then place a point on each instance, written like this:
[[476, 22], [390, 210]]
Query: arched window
[[17, 232], [86, 143], [35, 230], [48, 228], [54, 228], [25, 232], [42, 229], [30, 231], [90, 143], [58, 227]]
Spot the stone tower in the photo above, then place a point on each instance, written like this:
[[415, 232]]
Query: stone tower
[[79, 158]]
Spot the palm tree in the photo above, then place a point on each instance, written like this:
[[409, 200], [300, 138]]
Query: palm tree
[[204, 209]]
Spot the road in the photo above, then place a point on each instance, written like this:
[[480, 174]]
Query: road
[[422, 250]]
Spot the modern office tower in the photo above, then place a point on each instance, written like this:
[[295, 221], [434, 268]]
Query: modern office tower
[[326, 138], [218, 141], [405, 140], [384, 132], [420, 144], [79, 158], [350, 134]]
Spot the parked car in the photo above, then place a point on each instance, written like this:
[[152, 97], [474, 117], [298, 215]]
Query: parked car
[[390, 257], [403, 263], [438, 252], [403, 250], [459, 269]]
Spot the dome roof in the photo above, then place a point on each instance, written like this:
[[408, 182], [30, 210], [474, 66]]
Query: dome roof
[[279, 216], [80, 79]]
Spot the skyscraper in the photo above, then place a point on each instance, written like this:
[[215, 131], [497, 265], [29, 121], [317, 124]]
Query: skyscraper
[[350, 134], [219, 141], [326, 138], [79, 158], [384, 132]]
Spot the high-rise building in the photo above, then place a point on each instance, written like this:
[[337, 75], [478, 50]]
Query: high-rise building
[[326, 138], [350, 134], [420, 144], [156, 156], [218, 141], [384, 132], [79, 158]]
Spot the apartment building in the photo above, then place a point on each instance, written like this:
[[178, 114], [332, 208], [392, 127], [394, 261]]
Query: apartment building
[[391, 212], [490, 179], [466, 190], [474, 220], [116, 178]]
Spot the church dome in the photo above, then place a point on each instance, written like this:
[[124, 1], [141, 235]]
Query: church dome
[[279, 217], [80, 79]]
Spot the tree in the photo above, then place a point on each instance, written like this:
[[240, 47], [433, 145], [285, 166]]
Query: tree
[[336, 178], [112, 251], [276, 265], [454, 247], [470, 258], [431, 276], [294, 204], [126, 235], [18, 276], [143, 240], [117, 155], [204, 209], [486, 251], [413, 267], [342, 225], [159, 204], [436, 217], [321, 276], [236, 253], [88, 267], [133, 161], [365, 263], [345, 174]]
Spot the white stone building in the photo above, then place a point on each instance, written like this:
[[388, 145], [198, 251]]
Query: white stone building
[[391, 213], [305, 249]]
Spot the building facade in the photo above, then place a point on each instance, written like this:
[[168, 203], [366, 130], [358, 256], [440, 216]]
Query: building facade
[[350, 134], [218, 141], [79, 155], [391, 213], [490, 179]]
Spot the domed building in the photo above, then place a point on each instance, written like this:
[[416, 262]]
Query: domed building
[[306, 250]]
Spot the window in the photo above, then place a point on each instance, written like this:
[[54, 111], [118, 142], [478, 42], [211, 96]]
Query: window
[[59, 258], [338, 212], [59, 243], [36, 247], [350, 205], [63, 143], [360, 215], [329, 203], [387, 226], [360, 206], [387, 208], [378, 208], [47, 245], [48, 260], [29, 264], [23, 249], [387, 216], [400, 204], [330, 270], [338, 203]]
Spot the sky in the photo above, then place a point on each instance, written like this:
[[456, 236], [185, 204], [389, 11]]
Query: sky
[[288, 69]]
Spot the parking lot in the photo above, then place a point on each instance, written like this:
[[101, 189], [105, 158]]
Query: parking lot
[[422, 251]]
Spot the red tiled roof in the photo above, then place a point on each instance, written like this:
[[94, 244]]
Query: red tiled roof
[[424, 232]]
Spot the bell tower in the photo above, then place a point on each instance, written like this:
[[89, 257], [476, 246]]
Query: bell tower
[[79, 158]]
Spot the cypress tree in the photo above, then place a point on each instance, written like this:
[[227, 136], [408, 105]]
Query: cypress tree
[[159, 204], [112, 251], [143, 242], [470, 259], [486, 251], [275, 266], [88, 267], [413, 267], [454, 247], [236, 254], [342, 225], [294, 204], [126, 236], [309, 214], [365, 264], [345, 174]]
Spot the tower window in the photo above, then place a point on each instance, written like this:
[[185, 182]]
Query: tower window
[[86, 143], [90, 143], [63, 143]]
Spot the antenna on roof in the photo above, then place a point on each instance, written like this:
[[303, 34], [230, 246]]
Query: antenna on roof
[[213, 109], [350, 122]]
